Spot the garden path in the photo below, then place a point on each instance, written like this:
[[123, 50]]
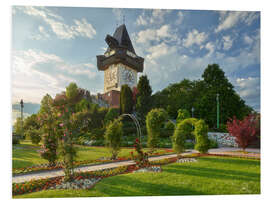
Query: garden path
[[59, 172]]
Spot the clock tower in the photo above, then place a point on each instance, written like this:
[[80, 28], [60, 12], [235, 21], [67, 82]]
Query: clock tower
[[120, 64]]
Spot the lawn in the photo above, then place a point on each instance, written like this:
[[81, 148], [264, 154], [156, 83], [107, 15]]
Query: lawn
[[208, 176], [26, 154]]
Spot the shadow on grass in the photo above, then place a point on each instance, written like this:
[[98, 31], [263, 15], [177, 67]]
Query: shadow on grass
[[236, 161], [129, 186], [213, 173]]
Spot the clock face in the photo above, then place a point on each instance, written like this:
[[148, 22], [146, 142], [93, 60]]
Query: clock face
[[128, 77]]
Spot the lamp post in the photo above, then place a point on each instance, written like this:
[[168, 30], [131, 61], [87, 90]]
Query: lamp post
[[22, 114], [192, 111], [217, 111]]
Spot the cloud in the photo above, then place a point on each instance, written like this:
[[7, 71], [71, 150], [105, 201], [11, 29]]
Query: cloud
[[248, 40], [210, 47], [157, 16], [229, 19], [227, 42], [180, 17], [194, 37], [35, 73], [249, 90], [80, 28], [162, 33], [119, 14]]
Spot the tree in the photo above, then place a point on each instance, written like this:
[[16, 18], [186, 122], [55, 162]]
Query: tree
[[143, 104], [244, 130], [66, 106], [126, 101], [155, 121], [230, 103], [182, 115], [112, 114], [113, 137], [46, 117], [182, 95], [17, 127], [32, 128]]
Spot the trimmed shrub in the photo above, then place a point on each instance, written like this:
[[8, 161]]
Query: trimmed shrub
[[183, 129], [200, 132], [155, 120], [168, 129], [113, 137], [182, 115]]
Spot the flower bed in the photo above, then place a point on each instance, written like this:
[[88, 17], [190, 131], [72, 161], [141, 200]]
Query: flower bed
[[223, 139], [58, 182], [186, 160], [155, 169], [59, 165]]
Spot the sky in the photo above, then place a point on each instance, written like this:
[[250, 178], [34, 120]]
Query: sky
[[53, 46]]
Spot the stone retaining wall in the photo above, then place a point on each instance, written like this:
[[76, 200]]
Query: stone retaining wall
[[223, 139]]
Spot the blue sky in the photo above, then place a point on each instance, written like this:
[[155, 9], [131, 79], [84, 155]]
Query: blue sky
[[53, 46]]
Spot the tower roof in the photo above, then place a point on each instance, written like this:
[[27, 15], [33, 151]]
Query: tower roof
[[122, 37], [118, 45]]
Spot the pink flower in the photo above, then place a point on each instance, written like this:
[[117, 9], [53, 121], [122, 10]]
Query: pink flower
[[61, 124], [64, 134]]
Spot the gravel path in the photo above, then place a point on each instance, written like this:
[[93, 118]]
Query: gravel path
[[54, 173]]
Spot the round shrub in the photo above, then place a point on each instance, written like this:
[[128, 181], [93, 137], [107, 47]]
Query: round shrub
[[155, 121]]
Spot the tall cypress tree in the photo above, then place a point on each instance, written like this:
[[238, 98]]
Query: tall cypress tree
[[126, 100], [143, 105]]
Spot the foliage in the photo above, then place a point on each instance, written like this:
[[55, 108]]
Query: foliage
[[182, 115], [213, 144], [155, 121], [112, 114], [34, 135], [201, 95], [200, 132], [113, 137], [126, 100], [15, 139], [244, 130], [230, 103], [47, 122], [182, 130], [69, 126], [18, 126], [32, 128], [142, 157], [83, 105], [143, 104], [168, 129]]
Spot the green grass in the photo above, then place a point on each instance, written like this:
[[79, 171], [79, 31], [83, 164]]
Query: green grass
[[208, 176], [26, 154]]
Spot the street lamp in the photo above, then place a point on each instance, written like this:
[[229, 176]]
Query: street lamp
[[22, 114], [192, 111], [217, 111]]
